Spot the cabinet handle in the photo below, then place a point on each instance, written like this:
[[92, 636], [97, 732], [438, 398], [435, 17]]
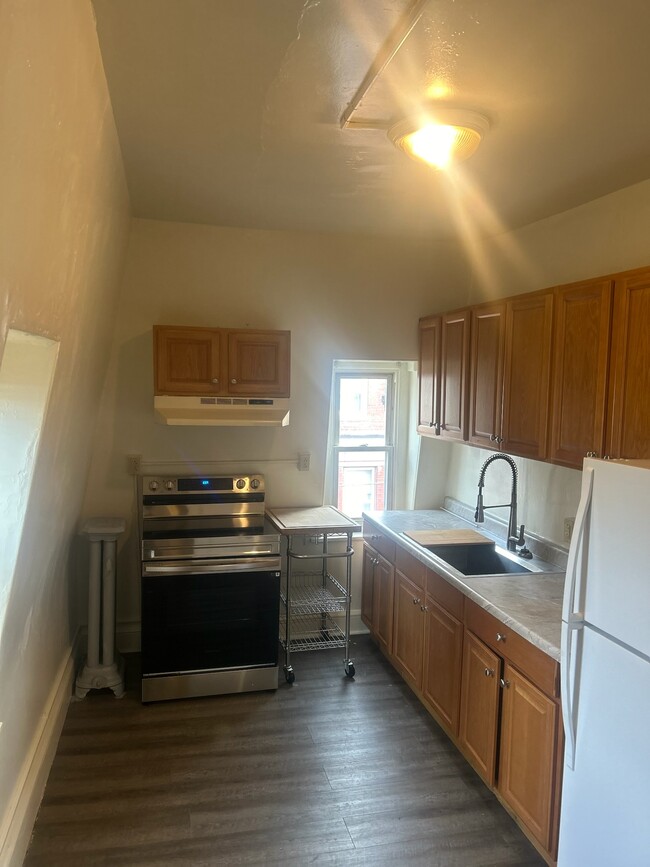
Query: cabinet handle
[[215, 381], [423, 608], [591, 455], [416, 601], [493, 438], [504, 683], [498, 439], [375, 536], [500, 636], [437, 427], [489, 672], [234, 381]]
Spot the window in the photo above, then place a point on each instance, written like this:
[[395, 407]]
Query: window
[[369, 440]]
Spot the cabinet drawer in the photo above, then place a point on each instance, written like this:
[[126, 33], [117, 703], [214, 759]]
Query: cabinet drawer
[[542, 669], [445, 595], [377, 540], [412, 568]]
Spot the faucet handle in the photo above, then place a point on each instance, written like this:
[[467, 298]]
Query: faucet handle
[[521, 540]]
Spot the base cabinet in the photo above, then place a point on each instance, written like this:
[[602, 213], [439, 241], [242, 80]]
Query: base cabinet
[[527, 753], [479, 714], [378, 579], [409, 629], [443, 654]]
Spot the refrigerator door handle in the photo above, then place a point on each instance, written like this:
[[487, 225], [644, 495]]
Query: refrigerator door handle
[[575, 551], [573, 620]]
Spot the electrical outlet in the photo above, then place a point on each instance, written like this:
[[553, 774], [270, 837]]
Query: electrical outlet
[[568, 529], [133, 464], [304, 460]]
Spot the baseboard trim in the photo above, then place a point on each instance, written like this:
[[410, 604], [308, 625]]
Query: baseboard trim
[[20, 815]]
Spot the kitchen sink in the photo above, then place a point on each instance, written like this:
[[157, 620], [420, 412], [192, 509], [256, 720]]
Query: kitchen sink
[[478, 559]]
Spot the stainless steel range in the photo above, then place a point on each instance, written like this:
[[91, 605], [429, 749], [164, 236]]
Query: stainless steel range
[[210, 587]]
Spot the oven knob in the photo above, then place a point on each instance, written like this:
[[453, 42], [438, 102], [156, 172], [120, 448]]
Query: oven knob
[[153, 485], [255, 483], [170, 485], [240, 483]]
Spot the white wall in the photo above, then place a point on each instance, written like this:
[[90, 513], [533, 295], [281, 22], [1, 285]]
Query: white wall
[[64, 219], [605, 236], [341, 297]]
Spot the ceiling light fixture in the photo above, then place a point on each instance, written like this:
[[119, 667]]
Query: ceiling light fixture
[[441, 138]]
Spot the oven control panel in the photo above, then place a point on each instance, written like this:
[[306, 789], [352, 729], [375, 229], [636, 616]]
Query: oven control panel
[[203, 484]]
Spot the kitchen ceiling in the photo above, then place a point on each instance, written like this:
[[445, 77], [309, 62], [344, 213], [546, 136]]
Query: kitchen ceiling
[[229, 111]]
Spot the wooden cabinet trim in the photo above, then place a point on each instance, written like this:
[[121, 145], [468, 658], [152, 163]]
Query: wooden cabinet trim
[[450, 598]]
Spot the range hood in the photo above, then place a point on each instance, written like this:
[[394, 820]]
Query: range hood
[[223, 411]]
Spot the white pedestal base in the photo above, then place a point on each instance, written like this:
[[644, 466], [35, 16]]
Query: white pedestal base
[[101, 677]]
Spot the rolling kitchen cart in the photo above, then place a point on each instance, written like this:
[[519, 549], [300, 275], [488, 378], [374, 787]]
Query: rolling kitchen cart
[[313, 603]]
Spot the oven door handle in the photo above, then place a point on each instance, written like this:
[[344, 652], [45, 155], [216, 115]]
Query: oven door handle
[[188, 567]]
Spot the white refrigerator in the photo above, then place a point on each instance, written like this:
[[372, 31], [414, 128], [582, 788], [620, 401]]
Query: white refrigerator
[[605, 668]]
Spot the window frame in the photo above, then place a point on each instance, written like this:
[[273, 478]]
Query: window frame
[[388, 449]]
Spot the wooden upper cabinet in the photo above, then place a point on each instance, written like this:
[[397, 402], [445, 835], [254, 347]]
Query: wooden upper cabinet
[[453, 371], [486, 374], [429, 376], [187, 361], [629, 393], [258, 363], [581, 349], [191, 361], [526, 375]]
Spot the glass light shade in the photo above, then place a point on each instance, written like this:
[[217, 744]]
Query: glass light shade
[[449, 137]]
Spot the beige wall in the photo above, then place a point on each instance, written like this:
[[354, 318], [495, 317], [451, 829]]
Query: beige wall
[[341, 297], [605, 236], [64, 219]]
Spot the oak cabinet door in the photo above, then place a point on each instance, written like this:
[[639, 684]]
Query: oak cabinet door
[[368, 586], [629, 395], [453, 386], [259, 363], [527, 753], [479, 706], [382, 616], [187, 361], [408, 628], [443, 655], [580, 363], [429, 376], [486, 374], [529, 321]]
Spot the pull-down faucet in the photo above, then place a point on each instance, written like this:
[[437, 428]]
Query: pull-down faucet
[[514, 538]]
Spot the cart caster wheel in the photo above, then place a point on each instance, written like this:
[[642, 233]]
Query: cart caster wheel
[[349, 669], [290, 675]]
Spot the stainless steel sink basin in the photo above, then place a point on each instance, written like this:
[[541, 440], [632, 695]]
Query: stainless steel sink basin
[[478, 559]]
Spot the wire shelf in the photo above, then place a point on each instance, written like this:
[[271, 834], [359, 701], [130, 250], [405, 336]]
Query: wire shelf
[[306, 635], [309, 596]]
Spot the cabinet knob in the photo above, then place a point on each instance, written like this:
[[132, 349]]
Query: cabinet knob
[[234, 381], [500, 636], [504, 683], [437, 427], [375, 536], [416, 601], [493, 438], [489, 672], [215, 381], [591, 455], [423, 608], [498, 439]]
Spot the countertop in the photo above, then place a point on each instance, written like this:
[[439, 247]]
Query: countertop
[[530, 604]]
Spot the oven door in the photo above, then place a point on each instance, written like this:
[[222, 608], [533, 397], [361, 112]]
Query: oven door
[[209, 616]]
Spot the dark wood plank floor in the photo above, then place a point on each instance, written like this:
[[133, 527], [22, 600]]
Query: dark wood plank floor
[[328, 771]]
